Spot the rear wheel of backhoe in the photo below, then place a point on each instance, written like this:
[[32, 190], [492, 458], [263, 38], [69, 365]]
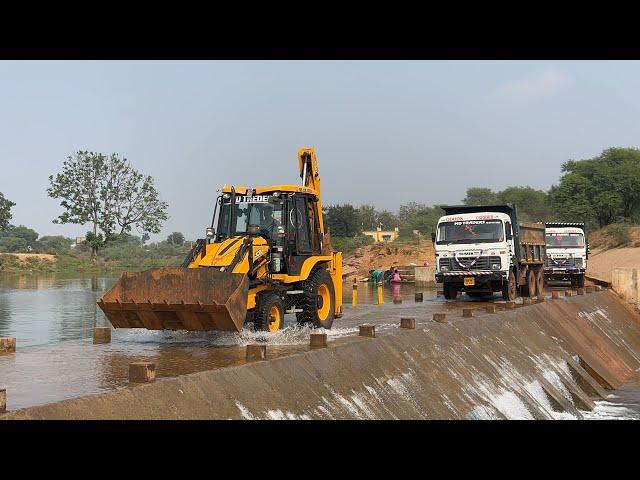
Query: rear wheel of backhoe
[[318, 300], [269, 315]]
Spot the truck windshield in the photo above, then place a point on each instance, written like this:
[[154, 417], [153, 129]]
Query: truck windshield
[[257, 217], [565, 240], [470, 231]]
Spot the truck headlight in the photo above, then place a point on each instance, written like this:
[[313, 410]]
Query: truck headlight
[[444, 268], [495, 266]]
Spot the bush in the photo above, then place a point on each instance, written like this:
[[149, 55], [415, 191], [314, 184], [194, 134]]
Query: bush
[[12, 244], [348, 245], [620, 233], [54, 244]]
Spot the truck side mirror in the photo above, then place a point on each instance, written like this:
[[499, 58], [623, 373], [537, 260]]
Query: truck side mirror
[[507, 230], [433, 237]]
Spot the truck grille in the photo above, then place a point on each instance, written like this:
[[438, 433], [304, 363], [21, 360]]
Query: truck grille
[[483, 263], [570, 262]]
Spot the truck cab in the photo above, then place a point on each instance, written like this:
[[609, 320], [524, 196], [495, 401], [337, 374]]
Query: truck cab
[[567, 252], [484, 249]]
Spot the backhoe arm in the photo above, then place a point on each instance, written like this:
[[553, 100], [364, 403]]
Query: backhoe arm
[[308, 164]]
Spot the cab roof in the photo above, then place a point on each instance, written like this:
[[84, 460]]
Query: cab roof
[[243, 190]]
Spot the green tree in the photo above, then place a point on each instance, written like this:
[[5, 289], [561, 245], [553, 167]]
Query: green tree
[[29, 235], [12, 244], [176, 238], [5, 211], [367, 217], [342, 220], [54, 244], [480, 196], [408, 211], [388, 220], [108, 193], [533, 205]]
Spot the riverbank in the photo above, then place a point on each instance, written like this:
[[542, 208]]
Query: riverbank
[[25, 263]]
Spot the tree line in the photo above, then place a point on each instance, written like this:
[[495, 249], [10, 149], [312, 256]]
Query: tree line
[[600, 191]]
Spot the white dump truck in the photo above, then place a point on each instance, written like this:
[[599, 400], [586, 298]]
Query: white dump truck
[[567, 252], [485, 249]]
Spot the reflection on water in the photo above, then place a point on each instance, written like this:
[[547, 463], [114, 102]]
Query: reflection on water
[[44, 309]]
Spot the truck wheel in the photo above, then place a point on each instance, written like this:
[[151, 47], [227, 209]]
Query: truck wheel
[[450, 291], [269, 314], [540, 283], [529, 289], [318, 301], [509, 289], [580, 281]]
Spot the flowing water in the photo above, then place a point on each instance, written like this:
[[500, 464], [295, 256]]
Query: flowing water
[[52, 317]]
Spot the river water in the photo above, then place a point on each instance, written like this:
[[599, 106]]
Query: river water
[[52, 317]]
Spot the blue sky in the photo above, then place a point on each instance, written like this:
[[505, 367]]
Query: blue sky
[[386, 132]]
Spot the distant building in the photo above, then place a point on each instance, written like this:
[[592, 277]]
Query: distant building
[[380, 235], [78, 241]]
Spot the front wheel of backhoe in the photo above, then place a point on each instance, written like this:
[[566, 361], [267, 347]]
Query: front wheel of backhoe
[[318, 301], [269, 314]]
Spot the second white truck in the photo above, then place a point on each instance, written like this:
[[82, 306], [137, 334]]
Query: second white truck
[[567, 252]]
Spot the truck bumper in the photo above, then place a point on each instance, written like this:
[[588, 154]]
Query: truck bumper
[[559, 273], [481, 277]]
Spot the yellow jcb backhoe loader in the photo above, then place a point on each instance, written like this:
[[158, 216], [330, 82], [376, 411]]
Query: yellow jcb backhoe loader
[[265, 254]]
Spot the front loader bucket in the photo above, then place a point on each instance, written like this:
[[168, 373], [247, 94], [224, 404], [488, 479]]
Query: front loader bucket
[[178, 299]]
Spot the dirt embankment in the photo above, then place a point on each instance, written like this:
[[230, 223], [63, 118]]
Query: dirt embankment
[[23, 257], [381, 256], [602, 262]]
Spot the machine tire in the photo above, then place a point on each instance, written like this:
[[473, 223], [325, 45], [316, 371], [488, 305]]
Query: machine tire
[[510, 289], [529, 290], [318, 288], [580, 281], [450, 291], [540, 283], [269, 306]]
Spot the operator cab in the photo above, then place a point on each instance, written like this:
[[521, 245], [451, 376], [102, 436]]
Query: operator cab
[[287, 220]]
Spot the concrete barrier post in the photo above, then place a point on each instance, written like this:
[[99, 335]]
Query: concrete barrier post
[[407, 322], [354, 295], [581, 291], [526, 301], [7, 345], [555, 295], [318, 340], [142, 372], [380, 294], [467, 312], [255, 352], [101, 335], [397, 299], [439, 317], [367, 331], [568, 293], [418, 297], [3, 400], [492, 308]]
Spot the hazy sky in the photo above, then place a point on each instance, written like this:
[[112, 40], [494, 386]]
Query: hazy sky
[[386, 133]]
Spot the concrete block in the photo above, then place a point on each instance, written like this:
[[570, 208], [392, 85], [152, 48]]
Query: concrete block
[[526, 301], [101, 335], [142, 372], [367, 331], [555, 295], [439, 317], [541, 299], [407, 322], [317, 340], [589, 289], [418, 297], [397, 299], [580, 291], [7, 345], [568, 293], [467, 312], [256, 351], [492, 308]]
